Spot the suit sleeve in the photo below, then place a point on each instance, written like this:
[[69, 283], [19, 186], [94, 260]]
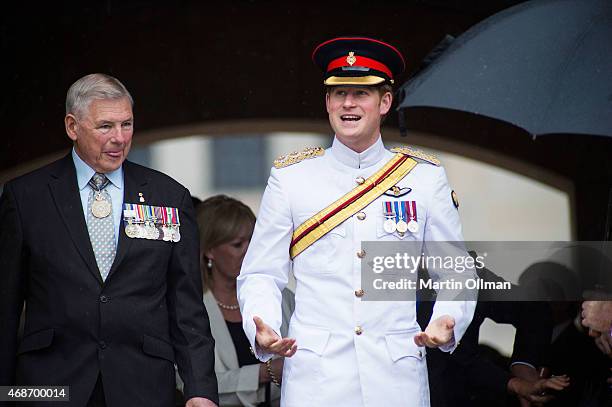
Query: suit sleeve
[[443, 225], [533, 332], [189, 325], [12, 260], [265, 269], [532, 320]]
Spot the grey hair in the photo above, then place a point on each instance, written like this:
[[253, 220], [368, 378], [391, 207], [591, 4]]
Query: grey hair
[[91, 87]]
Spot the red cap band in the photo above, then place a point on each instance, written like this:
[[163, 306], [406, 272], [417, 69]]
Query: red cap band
[[360, 61]]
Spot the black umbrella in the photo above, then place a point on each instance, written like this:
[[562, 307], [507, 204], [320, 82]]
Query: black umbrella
[[544, 66]]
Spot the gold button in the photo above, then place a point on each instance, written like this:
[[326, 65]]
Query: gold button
[[361, 254], [359, 293], [358, 330], [361, 215], [360, 180]]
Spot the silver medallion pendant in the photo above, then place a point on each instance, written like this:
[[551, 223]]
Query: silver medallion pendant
[[131, 230], [413, 226], [176, 234], [150, 231], [402, 227], [142, 231], [389, 226], [100, 207], [166, 233]]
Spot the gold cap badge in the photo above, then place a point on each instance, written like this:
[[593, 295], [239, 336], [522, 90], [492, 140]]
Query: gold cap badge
[[351, 59]]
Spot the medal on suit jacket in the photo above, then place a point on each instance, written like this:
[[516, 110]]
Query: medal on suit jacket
[[131, 230], [174, 223], [100, 207], [150, 223], [131, 221]]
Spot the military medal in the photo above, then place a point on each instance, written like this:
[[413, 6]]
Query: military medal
[[131, 230], [166, 233], [413, 225], [141, 217], [389, 225], [100, 207], [176, 234], [173, 223], [401, 226]]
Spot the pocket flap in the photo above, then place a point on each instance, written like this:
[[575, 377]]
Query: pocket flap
[[36, 341], [158, 348], [311, 338], [401, 345]]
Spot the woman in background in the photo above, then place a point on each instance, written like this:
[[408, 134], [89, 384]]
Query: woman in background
[[226, 226]]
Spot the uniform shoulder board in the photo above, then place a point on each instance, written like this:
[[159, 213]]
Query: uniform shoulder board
[[295, 157], [430, 158]]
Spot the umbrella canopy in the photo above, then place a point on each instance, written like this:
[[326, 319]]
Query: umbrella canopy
[[544, 66]]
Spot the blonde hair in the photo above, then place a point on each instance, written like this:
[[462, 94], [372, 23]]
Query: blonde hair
[[220, 219]]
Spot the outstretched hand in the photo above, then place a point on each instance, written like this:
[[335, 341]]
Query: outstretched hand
[[270, 342], [438, 333]]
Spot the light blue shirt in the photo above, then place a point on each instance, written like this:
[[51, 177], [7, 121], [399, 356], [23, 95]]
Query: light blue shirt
[[115, 188]]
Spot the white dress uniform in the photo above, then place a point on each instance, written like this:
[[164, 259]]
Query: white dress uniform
[[350, 352]]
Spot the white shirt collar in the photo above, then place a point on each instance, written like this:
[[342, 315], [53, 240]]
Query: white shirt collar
[[85, 172], [353, 159]]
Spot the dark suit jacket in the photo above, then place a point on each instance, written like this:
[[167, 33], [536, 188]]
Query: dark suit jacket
[[132, 328]]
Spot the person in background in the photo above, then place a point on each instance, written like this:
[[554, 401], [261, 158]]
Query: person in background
[[597, 316], [471, 377], [226, 226]]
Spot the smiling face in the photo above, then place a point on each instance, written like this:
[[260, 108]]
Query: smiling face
[[355, 114], [102, 134]]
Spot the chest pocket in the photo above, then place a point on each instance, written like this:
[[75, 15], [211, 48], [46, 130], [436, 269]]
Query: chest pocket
[[324, 255]]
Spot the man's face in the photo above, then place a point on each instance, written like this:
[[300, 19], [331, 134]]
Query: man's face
[[102, 134], [355, 114]]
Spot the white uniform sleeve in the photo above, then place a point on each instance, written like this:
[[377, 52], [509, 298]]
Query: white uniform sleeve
[[444, 225], [265, 268]]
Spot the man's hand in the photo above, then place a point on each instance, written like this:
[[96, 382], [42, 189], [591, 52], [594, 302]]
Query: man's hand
[[199, 402], [597, 316], [439, 332], [270, 342], [538, 391], [604, 344]]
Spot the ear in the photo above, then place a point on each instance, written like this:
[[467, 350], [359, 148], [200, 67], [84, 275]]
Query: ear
[[385, 103], [327, 102], [209, 254], [71, 126]]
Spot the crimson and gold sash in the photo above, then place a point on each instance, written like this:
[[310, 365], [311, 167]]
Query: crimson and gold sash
[[325, 220]]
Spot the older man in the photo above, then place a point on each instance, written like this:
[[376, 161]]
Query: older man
[[318, 208], [104, 253]]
